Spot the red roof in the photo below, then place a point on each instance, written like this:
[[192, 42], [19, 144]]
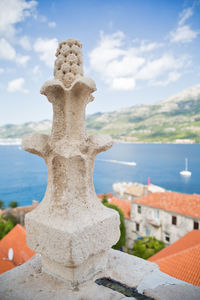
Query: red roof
[[182, 258], [108, 195], [124, 205], [15, 239], [185, 204]]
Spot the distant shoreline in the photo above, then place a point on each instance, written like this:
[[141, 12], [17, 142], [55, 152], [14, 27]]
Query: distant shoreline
[[183, 142], [10, 142], [18, 142]]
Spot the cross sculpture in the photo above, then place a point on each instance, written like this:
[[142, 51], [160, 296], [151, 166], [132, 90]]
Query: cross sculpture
[[70, 228]]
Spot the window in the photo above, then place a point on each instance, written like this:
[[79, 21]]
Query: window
[[196, 225], [174, 220], [166, 237], [148, 232], [156, 214], [139, 209], [137, 225]]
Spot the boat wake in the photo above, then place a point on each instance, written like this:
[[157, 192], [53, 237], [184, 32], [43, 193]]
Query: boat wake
[[128, 163]]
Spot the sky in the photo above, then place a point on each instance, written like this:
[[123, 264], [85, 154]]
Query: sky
[[137, 51]]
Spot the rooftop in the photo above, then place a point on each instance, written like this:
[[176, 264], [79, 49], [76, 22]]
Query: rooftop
[[15, 239], [124, 205], [181, 259], [185, 204], [137, 190]]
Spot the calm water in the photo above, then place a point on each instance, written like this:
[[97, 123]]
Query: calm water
[[23, 175]]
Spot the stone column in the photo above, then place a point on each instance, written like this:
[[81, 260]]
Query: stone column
[[70, 228]]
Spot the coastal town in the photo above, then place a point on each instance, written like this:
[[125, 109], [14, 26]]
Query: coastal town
[[99, 200], [148, 211]]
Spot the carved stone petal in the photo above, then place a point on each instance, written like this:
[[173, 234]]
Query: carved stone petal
[[52, 89]]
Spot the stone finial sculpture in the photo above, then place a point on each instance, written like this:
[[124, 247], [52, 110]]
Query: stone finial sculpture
[[70, 228]]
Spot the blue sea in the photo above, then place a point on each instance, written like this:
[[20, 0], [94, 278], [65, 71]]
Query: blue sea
[[23, 175]]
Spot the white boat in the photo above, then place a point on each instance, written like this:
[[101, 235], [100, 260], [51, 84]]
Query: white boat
[[128, 163], [185, 172]]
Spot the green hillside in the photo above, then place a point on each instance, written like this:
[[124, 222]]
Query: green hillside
[[176, 118]]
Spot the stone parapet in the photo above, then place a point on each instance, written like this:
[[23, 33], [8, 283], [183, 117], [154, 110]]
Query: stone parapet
[[28, 282]]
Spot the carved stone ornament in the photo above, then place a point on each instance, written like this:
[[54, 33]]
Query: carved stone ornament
[[70, 228]]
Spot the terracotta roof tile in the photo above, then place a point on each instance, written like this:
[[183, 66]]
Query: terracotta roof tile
[[5, 264], [15, 239], [185, 204], [109, 195], [189, 240], [124, 205], [182, 258]]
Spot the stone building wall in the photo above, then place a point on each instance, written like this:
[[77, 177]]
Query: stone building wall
[[158, 223]]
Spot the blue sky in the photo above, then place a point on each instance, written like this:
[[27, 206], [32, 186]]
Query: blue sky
[[137, 51]]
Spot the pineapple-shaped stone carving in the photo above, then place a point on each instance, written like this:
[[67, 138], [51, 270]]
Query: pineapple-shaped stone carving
[[69, 64], [70, 228]]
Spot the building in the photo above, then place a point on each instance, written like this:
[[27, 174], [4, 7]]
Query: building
[[134, 190], [167, 216], [15, 240], [185, 255], [19, 212]]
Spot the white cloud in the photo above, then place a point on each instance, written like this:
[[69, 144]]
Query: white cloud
[[113, 63], [13, 12], [123, 83], [184, 15], [172, 77], [16, 85], [52, 24], [1, 70], [149, 46], [159, 66], [121, 67], [25, 43], [107, 50], [47, 49], [22, 59], [36, 70], [183, 34], [6, 50]]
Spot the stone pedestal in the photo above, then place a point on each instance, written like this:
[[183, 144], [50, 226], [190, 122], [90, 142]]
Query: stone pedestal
[[70, 228]]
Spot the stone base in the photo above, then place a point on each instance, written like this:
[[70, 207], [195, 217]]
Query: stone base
[[28, 282], [75, 275], [69, 243]]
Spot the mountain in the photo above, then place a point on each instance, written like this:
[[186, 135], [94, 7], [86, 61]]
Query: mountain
[[174, 119]]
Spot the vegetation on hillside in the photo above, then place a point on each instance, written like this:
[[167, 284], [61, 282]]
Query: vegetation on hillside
[[175, 118]]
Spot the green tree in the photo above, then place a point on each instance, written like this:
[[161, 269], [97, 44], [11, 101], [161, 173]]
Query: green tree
[[122, 239], [147, 246], [13, 204], [5, 226], [13, 219], [104, 199], [1, 204]]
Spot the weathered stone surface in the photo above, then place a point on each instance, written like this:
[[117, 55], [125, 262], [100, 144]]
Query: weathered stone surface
[[174, 292], [70, 228], [28, 282]]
